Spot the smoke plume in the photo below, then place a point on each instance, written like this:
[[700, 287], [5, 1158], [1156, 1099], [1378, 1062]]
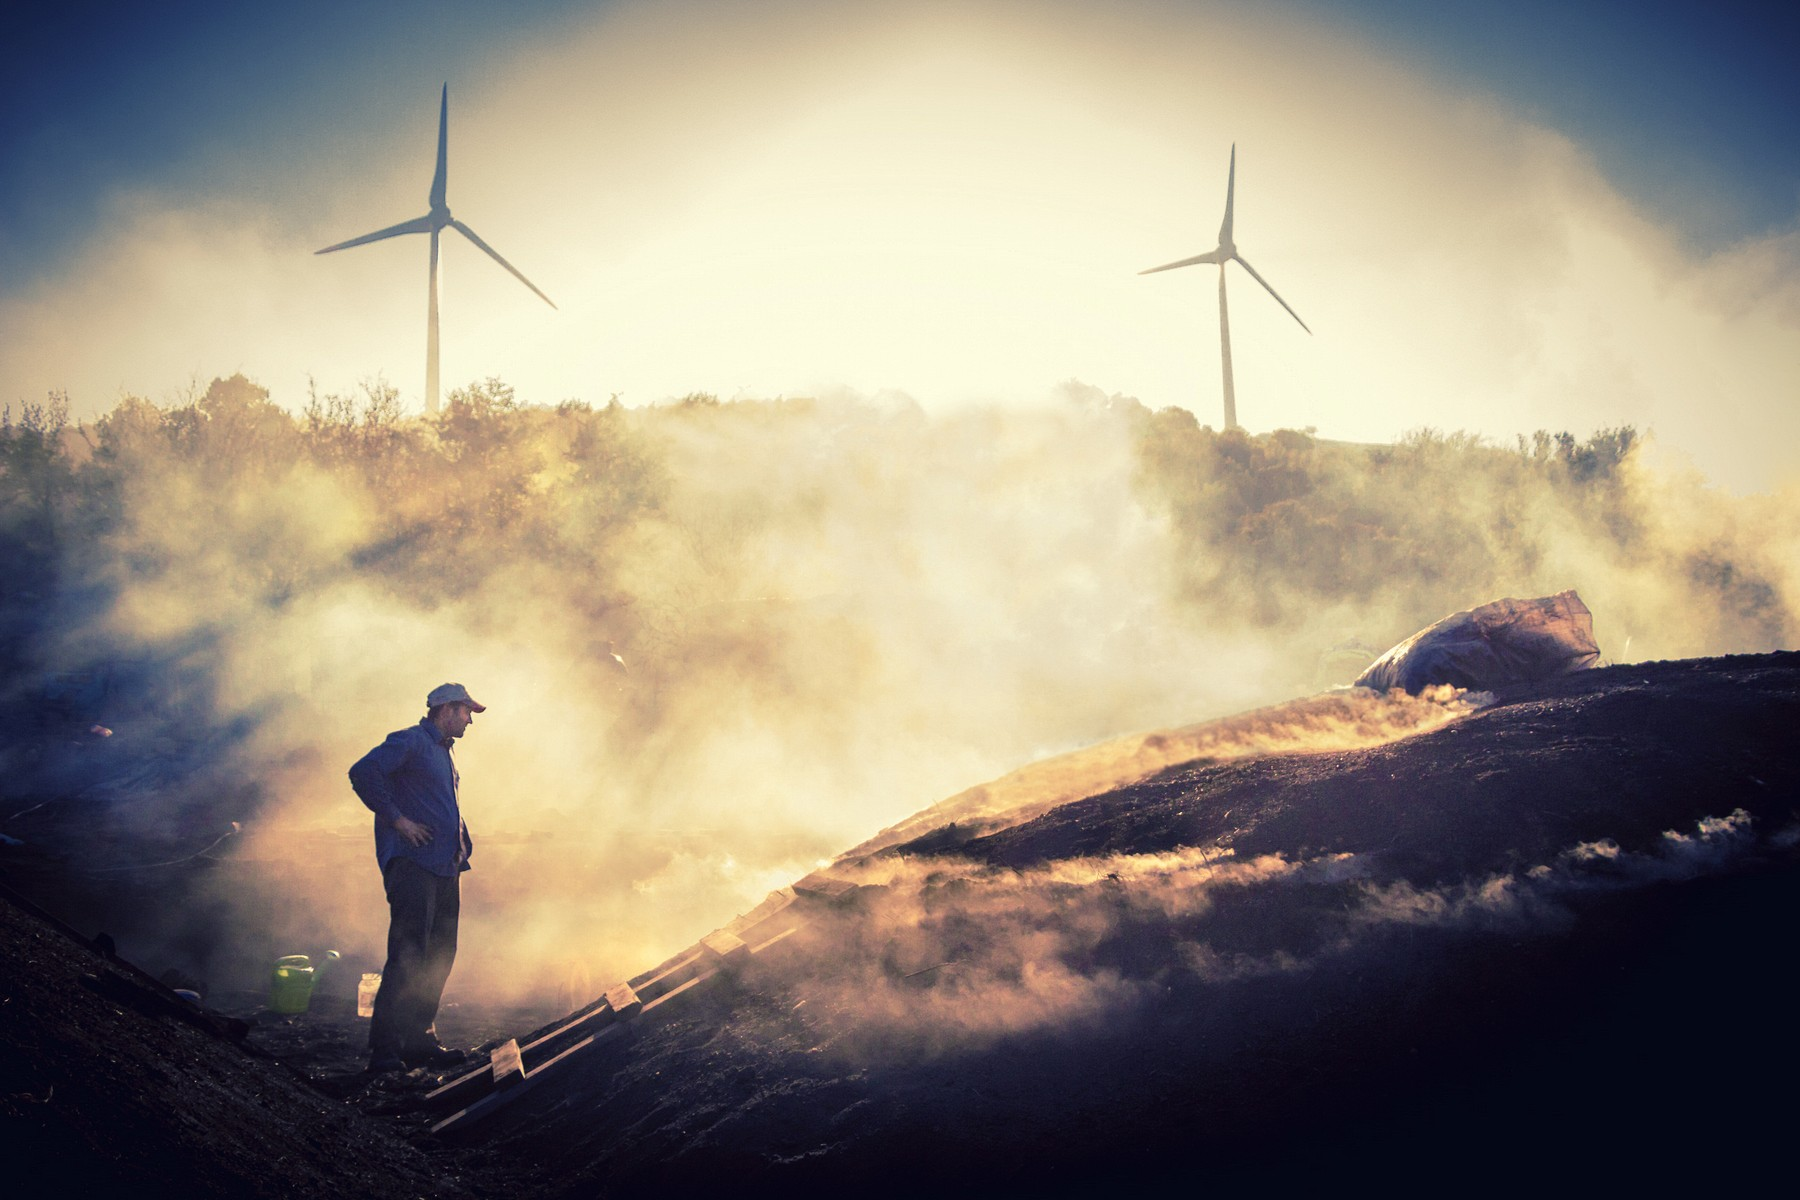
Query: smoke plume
[[721, 642]]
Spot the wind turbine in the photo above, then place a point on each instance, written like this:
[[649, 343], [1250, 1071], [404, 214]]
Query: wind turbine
[[1224, 252], [433, 222]]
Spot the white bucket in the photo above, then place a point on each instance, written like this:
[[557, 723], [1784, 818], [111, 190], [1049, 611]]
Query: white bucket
[[365, 994]]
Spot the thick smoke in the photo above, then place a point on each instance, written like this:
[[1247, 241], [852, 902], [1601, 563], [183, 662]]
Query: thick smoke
[[831, 613], [1341, 719], [946, 955]]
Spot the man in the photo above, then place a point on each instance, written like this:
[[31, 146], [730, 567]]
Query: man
[[410, 783]]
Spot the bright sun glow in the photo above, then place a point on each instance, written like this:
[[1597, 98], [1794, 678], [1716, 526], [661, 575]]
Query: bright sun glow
[[956, 207]]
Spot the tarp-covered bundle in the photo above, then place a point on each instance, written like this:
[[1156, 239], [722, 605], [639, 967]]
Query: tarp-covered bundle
[[1505, 642]]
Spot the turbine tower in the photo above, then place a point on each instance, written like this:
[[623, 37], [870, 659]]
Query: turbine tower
[[1224, 252], [433, 223]]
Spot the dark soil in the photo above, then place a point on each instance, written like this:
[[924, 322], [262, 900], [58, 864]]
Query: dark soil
[[106, 1090], [1546, 942]]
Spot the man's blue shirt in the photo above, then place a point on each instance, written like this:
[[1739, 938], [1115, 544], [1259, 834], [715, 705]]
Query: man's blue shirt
[[413, 774]]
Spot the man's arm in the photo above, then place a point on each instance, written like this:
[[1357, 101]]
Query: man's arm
[[369, 779]]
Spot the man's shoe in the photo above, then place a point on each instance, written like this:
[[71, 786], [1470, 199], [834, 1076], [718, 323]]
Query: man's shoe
[[435, 1056], [385, 1064]]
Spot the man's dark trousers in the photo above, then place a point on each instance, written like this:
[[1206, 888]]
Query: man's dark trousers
[[422, 915]]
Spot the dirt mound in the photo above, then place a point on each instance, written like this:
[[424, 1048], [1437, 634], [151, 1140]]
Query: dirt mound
[[1547, 937], [108, 1087], [1517, 941]]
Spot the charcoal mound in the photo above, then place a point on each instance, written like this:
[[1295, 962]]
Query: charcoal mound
[[1545, 940]]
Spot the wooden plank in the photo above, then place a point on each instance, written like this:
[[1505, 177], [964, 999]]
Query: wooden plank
[[624, 1001], [777, 900], [674, 966], [729, 947], [463, 1089], [790, 931], [460, 1120], [501, 1095], [508, 1064], [611, 1007], [598, 1018], [583, 1044], [671, 973], [464, 1117], [470, 1083], [766, 926], [823, 887], [696, 981], [563, 1024], [480, 1108]]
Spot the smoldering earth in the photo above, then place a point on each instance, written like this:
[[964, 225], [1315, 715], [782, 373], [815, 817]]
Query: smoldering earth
[[721, 641], [1533, 942], [1529, 944]]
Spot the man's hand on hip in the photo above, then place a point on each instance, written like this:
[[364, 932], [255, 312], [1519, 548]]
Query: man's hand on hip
[[414, 833]]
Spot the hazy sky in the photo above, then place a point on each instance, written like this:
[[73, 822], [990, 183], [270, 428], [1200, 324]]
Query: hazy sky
[[1493, 217]]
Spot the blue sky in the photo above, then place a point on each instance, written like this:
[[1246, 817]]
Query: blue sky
[[187, 94], [1690, 108]]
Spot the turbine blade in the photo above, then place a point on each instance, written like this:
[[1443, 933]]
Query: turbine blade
[[1272, 291], [439, 181], [421, 225], [1211, 256], [1230, 188], [495, 255]]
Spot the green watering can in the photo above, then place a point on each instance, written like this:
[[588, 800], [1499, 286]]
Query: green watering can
[[295, 977]]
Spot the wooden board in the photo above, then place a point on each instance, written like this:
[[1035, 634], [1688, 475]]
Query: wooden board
[[508, 1064], [728, 947], [624, 1001], [462, 1089], [696, 981], [671, 974], [761, 946], [777, 900], [463, 1119], [824, 887], [508, 1074]]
